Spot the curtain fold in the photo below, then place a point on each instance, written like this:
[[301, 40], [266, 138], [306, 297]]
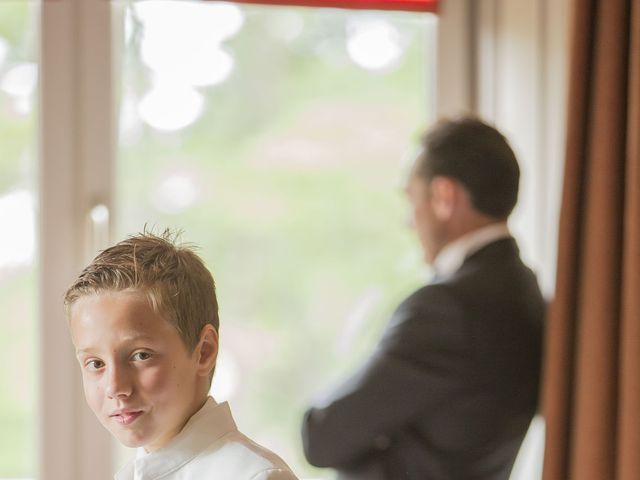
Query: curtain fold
[[628, 425], [591, 396]]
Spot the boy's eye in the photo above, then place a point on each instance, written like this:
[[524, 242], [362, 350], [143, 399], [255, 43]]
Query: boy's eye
[[141, 356], [94, 364]]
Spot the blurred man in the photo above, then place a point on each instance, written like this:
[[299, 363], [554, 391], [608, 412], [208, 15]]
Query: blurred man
[[451, 388]]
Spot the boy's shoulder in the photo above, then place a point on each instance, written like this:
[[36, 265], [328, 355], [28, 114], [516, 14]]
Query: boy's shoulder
[[236, 456], [227, 451]]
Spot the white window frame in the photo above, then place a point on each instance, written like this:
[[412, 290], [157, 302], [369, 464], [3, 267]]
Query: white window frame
[[76, 165]]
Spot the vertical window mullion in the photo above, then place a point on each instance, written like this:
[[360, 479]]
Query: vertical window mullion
[[75, 161]]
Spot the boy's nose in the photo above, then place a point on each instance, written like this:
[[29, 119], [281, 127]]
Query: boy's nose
[[118, 383]]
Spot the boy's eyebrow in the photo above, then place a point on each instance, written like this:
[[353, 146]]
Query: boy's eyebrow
[[136, 336], [81, 350], [128, 339]]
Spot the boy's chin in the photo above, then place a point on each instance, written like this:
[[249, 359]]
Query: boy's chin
[[129, 440]]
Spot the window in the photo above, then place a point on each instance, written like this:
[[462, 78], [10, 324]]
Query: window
[[18, 265], [275, 136], [258, 162]]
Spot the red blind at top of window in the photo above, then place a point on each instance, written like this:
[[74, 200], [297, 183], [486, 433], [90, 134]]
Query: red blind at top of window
[[408, 5]]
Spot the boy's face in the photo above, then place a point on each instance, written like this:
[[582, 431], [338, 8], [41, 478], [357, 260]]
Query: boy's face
[[139, 377]]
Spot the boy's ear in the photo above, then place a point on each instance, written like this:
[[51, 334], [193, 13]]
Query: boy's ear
[[207, 350]]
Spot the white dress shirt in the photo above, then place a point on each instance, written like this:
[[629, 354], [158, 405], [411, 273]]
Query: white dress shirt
[[209, 447], [452, 256]]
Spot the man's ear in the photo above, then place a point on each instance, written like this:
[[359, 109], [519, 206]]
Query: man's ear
[[207, 349], [444, 191]]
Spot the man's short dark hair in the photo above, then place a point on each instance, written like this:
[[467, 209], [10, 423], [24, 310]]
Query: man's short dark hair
[[479, 157]]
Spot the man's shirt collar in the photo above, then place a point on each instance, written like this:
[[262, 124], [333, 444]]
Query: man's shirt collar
[[453, 255]]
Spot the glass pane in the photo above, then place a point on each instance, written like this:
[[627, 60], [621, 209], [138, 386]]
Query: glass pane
[[18, 268], [275, 137]]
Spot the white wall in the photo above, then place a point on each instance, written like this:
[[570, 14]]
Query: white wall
[[508, 64]]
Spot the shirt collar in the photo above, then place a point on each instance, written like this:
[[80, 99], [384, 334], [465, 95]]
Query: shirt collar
[[453, 255], [208, 424], [140, 453]]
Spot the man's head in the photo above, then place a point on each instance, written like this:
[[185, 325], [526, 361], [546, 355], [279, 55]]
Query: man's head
[[465, 177], [144, 320]]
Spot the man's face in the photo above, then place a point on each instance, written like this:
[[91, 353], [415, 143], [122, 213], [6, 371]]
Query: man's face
[[139, 378], [424, 220]]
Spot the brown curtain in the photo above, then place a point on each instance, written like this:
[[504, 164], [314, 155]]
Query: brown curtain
[[591, 394]]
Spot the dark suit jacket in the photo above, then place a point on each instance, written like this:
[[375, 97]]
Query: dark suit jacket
[[452, 386]]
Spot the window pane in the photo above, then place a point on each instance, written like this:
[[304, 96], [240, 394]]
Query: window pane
[[275, 137], [18, 269]]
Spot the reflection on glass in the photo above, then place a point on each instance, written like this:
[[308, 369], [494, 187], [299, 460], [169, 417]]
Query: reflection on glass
[[18, 241], [374, 44], [18, 295], [170, 106], [286, 171], [185, 41], [182, 45], [175, 193]]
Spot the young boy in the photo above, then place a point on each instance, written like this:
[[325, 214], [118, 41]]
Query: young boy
[[144, 321]]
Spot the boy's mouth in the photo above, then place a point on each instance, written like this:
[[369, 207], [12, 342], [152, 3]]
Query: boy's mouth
[[126, 417]]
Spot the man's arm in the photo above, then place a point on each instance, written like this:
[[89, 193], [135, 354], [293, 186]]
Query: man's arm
[[420, 363]]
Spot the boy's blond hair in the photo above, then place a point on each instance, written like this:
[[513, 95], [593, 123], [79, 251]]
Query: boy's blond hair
[[174, 279]]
